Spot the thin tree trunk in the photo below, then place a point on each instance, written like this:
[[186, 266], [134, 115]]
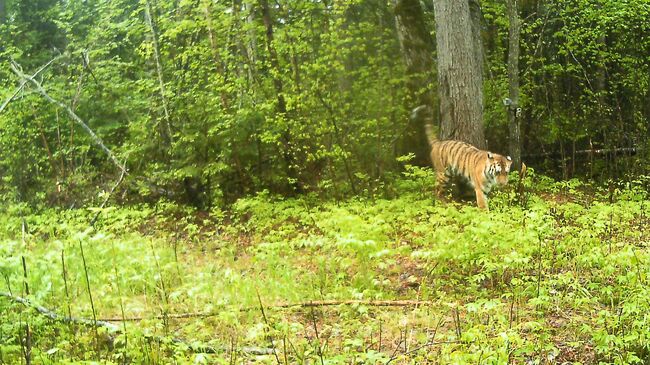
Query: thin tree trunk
[[460, 80], [167, 132], [215, 52], [417, 51], [514, 143], [3, 11], [281, 108]]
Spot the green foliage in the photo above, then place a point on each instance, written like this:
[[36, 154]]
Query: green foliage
[[560, 279], [338, 70]]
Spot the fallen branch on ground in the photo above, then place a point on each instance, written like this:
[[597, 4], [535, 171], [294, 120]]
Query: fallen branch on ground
[[115, 330], [57, 317], [313, 303]]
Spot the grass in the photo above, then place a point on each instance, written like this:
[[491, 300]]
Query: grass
[[559, 279]]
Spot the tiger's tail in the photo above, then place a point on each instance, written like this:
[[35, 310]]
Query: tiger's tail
[[431, 136], [423, 111]]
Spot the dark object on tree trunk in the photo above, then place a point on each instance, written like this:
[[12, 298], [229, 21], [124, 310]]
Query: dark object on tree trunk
[[514, 142]]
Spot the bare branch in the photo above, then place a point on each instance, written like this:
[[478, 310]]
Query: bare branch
[[17, 70], [23, 82]]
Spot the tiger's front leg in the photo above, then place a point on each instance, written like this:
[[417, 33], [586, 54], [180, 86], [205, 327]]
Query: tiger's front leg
[[481, 199], [441, 181]]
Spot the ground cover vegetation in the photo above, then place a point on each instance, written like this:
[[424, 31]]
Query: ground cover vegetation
[[558, 276], [239, 181]]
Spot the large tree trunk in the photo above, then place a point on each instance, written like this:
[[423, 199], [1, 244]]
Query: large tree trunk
[[514, 143], [417, 50], [459, 73]]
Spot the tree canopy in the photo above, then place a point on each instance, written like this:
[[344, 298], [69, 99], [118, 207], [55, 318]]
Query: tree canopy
[[207, 101]]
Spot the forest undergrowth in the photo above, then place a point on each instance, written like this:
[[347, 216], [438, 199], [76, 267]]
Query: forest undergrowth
[[556, 274]]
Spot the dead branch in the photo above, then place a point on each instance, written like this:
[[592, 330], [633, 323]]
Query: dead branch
[[57, 317], [115, 330], [24, 82], [17, 70], [316, 303]]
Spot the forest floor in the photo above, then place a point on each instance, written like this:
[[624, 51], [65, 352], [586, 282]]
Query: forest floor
[[556, 275]]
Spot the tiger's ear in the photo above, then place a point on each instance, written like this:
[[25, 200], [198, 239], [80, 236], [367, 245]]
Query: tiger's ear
[[508, 158], [490, 155]]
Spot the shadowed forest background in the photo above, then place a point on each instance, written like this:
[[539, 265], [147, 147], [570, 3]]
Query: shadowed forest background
[[208, 101]]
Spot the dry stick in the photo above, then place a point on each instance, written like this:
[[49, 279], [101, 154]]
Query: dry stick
[[284, 349], [316, 303], [90, 295], [267, 328], [28, 333], [65, 282], [318, 348], [16, 69]]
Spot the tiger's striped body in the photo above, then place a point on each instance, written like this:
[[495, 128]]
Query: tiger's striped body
[[482, 169]]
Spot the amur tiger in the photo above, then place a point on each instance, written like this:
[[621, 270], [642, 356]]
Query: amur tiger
[[482, 169]]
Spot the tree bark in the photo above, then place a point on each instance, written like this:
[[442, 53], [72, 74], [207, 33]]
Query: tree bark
[[417, 51], [514, 142], [460, 82]]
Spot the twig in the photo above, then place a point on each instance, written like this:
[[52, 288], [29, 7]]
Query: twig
[[267, 328], [319, 350], [90, 295], [28, 332], [64, 273], [17, 70]]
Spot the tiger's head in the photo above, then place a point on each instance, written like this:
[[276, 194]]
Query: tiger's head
[[499, 167]]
